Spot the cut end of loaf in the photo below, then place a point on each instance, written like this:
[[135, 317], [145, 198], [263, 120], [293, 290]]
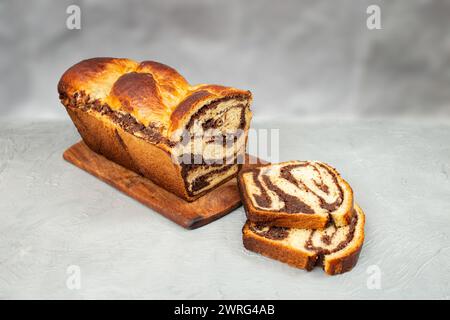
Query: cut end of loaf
[[214, 142]]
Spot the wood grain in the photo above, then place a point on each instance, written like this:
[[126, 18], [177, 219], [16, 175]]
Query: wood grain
[[190, 215]]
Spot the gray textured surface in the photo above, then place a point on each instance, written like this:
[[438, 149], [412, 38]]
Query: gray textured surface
[[54, 215], [304, 58]]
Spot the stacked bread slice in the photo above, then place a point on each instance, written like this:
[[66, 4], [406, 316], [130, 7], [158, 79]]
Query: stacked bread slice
[[302, 213]]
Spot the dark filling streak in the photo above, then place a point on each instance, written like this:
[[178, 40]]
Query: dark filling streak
[[330, 207], [263, 200], [126, 121], [322, 187], [210, 124], [273, 233], [287, 174], [242, 122], [215, 123], [199, 184], [328, 239], [333, 206], [291, 204], [196, 161], [202, 181], [320, 184], [225, 139]]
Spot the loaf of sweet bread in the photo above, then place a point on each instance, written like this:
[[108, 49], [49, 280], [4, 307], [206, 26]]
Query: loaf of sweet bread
[[148, 118], [296, 194], [336, 249]]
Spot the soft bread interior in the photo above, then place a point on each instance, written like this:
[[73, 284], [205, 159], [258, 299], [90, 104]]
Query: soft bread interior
[[313, 183], [206, 133], [216, 138]]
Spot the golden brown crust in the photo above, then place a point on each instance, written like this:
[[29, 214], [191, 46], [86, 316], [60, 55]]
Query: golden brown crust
[[137, 90], [198, 97], [150, 91], [277, 251], [105, 138], [343, 264], [183, 108], [290, 220], [94, 76], [168, 78], [336, 263]]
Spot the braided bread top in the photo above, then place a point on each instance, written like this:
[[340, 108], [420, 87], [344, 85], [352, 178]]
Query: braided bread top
[[153, 93]]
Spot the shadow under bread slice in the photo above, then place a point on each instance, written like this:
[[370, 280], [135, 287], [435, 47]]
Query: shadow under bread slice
[[336, 249], [296, 194]]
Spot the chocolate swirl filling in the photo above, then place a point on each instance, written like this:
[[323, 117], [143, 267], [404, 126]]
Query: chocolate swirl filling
[[273, 233], [126, 121], [327, 239], [264, 182], [326, 236]]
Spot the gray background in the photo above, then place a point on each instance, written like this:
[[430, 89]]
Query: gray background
[[338, 92], [309, 59]]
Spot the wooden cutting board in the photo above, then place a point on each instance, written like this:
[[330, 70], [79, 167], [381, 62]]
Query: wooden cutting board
[[190, 215]]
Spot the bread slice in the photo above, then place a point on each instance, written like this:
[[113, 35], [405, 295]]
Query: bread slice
[[296, 194], [335, 248]]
